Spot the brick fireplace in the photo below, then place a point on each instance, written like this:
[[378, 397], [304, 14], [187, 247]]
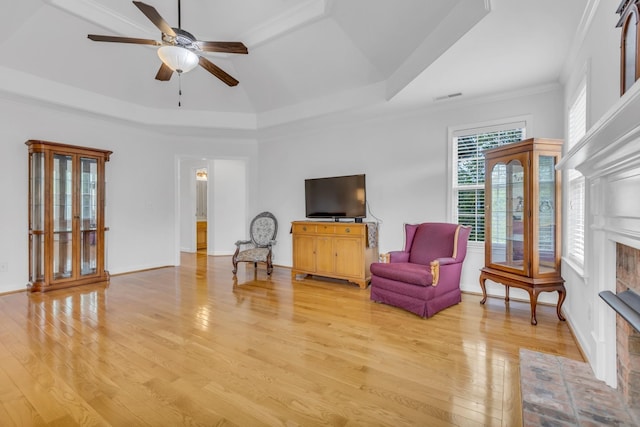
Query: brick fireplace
[[627, 338]]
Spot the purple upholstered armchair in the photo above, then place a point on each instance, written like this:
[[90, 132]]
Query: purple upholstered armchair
[[425, 277]]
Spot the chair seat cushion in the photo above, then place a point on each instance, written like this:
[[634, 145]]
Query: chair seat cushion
[[253, 255], [415, 274]]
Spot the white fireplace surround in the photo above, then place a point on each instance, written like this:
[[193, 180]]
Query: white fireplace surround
[[609, 157]]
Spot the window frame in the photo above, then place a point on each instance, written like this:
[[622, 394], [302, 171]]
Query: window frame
[[453, 132], [574, 179]]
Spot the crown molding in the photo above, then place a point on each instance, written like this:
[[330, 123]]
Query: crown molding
[[22, 85], [327, 105], [351, 106]]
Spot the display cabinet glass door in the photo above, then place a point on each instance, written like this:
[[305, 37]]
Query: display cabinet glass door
[[88, 215], [36, 216], [62, 217], [546, 205], [75, 216], [507, 216]]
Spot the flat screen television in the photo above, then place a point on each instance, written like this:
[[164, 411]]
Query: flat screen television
[[336, 197]]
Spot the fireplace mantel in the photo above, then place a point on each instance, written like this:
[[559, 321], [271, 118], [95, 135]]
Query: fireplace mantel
[[612, 143]]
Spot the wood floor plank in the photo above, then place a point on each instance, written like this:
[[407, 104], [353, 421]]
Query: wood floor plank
[[193, 346], [512, 413], [20, 412]]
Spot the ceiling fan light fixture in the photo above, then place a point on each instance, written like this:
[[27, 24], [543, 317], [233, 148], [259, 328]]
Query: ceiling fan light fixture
[[178, 58], [179, 50]]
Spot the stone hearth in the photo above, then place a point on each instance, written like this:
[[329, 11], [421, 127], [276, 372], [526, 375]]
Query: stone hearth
[[561, 392]]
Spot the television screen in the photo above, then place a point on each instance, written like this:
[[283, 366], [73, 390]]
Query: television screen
[[336, 197]]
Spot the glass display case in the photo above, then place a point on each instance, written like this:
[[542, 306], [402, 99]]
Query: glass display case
[[66, 215], [522, 214]]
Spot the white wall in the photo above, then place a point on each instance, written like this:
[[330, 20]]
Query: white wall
[[405, 160], [229, 202], [142, 183]]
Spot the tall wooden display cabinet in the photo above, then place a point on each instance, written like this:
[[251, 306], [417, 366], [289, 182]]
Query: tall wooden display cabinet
[[523, 219], [66, 215]]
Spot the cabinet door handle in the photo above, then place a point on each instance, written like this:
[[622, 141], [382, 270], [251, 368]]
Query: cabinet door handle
[[304, 228], [347, 230]]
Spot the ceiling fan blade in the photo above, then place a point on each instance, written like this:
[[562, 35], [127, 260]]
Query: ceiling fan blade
[[218, 72], [116, 39], [164, 73], [226, 47], [153, 15]]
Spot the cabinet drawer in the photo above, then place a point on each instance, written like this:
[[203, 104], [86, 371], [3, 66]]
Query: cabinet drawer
[[304, 228], [349, 230], [326, 228]]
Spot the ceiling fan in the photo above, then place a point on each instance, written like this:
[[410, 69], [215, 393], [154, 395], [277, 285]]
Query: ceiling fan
[[179, 50]]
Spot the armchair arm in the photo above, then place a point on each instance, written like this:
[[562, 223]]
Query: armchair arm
[[398, 256], [435, 272], [435, 267], [242, 242]]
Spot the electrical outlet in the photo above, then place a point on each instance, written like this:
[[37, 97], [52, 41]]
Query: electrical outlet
[[4, 267]]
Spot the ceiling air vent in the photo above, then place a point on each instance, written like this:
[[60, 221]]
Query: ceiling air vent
[[451, 95]]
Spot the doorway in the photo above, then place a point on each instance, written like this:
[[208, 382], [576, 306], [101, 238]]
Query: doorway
[[202, 178], [226, 204]]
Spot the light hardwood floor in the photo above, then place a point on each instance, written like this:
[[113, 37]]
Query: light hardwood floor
[[188, 346]]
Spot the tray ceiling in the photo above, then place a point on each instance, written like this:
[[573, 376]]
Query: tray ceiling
[[318, 55]]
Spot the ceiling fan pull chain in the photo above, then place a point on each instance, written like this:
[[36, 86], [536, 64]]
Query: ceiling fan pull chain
[[179, 89]]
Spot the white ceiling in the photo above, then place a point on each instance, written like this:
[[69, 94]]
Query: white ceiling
[[305, 57]]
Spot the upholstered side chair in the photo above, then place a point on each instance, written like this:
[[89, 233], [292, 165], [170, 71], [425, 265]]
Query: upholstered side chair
[[263, 231], [424, 278]]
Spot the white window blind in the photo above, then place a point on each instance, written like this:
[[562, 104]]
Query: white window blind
[[575, 213], [578, 116], [468, 180], [575, 218]]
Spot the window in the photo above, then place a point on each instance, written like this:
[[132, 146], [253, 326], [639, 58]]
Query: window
[[468, 170], [577, 127]]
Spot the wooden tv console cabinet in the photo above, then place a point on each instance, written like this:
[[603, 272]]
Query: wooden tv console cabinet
[[333, 249]]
